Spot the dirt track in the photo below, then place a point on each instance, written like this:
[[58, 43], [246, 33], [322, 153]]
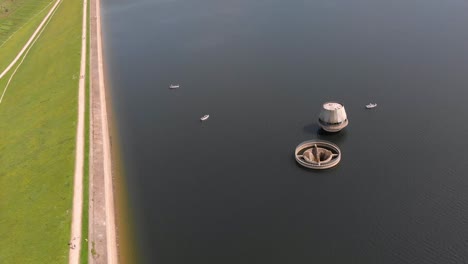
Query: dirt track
[[75, 240]]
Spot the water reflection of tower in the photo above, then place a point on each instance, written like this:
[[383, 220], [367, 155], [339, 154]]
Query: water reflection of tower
[[333, 117]]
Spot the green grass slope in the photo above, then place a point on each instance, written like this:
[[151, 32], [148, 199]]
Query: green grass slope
[[85, 213], [18, 20], [37, 143]]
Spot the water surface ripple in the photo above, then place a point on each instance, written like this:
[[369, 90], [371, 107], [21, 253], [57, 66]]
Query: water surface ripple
[[229, 190]]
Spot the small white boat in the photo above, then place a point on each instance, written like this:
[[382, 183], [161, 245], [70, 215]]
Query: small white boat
[[205, 117], [174, 86], [369, 106]]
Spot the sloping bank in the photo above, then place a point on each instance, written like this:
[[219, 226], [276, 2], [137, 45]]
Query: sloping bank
[[110, 239]]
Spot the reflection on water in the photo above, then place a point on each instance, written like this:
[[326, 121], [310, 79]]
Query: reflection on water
[[229, 190]]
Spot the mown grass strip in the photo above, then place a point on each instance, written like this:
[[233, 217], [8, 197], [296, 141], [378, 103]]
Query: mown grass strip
[[85, 219], [37, 145]]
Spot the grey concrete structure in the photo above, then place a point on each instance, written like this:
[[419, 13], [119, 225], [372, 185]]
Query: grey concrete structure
[[317, 154], [333, 117], [102, 230]]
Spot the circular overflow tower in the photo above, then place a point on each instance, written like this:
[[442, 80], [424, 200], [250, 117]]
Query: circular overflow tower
[[333, 117], [317, 154]]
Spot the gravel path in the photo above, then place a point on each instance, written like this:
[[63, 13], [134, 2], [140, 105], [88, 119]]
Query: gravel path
[[75, 241]]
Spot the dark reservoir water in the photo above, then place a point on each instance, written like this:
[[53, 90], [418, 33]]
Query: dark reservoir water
[[229, 190]]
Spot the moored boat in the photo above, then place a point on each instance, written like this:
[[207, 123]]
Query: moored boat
[[205, 117], [174, 86], [371, 105]]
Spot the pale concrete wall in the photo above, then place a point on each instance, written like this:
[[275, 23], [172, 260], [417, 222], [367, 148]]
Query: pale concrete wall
[[334, 115]]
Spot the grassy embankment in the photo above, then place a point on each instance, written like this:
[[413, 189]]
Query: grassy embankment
[[18, 20], [37, 134]]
